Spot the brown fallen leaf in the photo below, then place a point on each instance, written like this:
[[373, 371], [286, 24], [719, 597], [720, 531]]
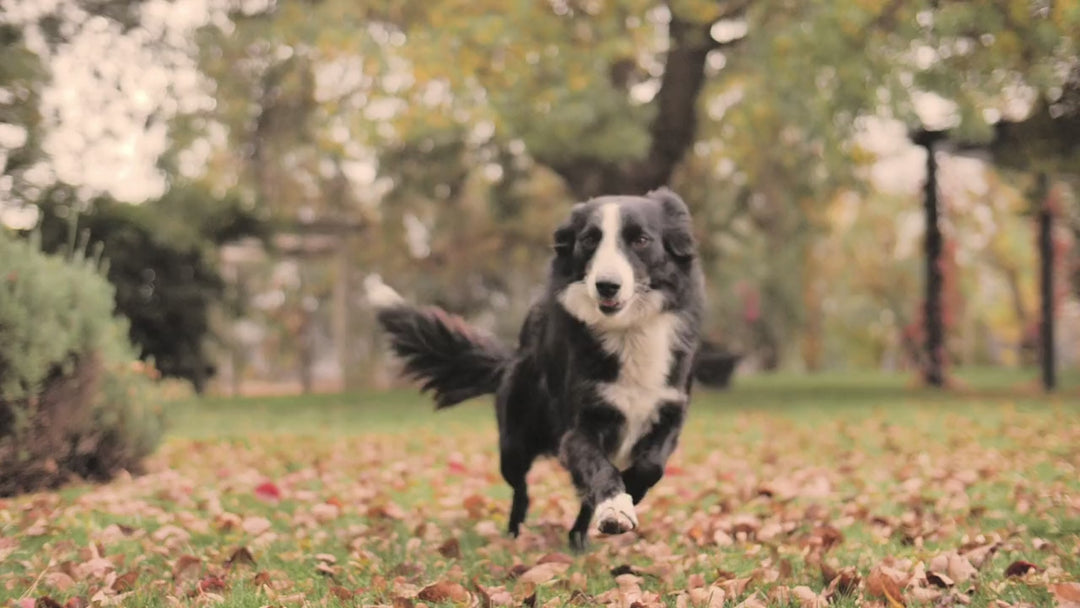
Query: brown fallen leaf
[[186, 566], [451, 549], [879, 584], [979, 554], [240, 557], [807, 598], [76, 602], [960, 568], [444, 591], [255, 525], [1066, 594], [402, 602], [1020, 568], [211, 584], [342, 593], [542, 573], [939, 580], [59, 580], [46, 602], [516, 571], [556, 558], [845, 582], [125, 582], [261, 579]]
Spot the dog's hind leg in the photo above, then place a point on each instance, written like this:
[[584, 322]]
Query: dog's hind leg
[[515, 464]]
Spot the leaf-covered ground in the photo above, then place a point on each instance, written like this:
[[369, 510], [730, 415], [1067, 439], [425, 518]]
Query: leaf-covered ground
[[807, 494]]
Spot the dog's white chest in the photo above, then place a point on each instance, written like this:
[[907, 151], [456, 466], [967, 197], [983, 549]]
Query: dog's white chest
[[644, 354]]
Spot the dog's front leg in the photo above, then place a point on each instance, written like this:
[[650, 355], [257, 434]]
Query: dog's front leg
[[650, 454], [603, 495]]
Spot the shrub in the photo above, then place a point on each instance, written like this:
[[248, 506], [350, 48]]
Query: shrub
[[74, 400]]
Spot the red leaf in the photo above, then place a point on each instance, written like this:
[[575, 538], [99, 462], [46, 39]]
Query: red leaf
[[456, 467], [268, 491], [1020, 568], [673, 470]]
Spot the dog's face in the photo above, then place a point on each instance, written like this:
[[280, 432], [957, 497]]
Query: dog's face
[[623, 259]]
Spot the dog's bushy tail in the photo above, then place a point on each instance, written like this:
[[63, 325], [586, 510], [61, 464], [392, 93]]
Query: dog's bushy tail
[[450, 358]]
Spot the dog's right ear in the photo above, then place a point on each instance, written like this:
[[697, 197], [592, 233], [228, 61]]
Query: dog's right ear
[[566, 234]]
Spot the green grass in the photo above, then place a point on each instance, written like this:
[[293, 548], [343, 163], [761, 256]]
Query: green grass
[[379, 481]]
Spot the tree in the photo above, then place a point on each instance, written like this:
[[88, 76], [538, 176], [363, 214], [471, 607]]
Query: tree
[[160, 258]]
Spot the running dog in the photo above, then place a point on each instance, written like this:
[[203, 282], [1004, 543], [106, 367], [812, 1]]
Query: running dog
[[602, 373]]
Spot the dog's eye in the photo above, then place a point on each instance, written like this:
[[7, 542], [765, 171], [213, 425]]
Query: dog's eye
[[590, 240], [640, 241]]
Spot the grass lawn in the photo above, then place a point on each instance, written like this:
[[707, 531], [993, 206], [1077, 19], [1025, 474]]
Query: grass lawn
[[786, 491]]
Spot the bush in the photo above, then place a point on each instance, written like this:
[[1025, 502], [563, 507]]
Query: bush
[[73, 397]]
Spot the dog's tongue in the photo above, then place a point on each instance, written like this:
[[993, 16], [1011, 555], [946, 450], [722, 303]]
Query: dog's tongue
[[609, 303]]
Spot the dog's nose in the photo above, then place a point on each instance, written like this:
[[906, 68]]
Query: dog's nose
[[607, 289]]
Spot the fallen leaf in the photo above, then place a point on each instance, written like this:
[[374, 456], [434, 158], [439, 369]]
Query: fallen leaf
[[186, 566], [125, 582], [268, 491], [939, 580], [807, 598], [1066, 594], [1020, 568], [555, 558], [240, 557], [451, 549], [845, 582], [542, 573], [342, 593], [879, 584], [255, 525], [960, 568], [211, 584], [444, 591], [46, 602]]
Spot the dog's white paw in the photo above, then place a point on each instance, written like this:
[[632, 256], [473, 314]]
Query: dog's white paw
[[616, 515]]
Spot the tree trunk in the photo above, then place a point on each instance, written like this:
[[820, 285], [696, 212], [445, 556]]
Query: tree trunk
[[934, 330], [1046, 282], [672, 131]]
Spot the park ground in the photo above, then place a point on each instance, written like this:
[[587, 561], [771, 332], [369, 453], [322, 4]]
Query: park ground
[[787, 491]]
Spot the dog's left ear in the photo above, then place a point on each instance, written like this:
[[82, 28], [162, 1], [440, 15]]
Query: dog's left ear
[[678, 235], [566, 234]]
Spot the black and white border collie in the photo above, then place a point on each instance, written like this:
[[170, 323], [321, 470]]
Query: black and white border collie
[[601, 376]]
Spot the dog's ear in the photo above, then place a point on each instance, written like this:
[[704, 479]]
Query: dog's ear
[[678, 234], [566, 234]]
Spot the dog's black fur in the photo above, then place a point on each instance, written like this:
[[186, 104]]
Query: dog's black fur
[[572, 388]]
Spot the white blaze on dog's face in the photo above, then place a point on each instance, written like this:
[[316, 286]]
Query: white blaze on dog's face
[[609, 277]]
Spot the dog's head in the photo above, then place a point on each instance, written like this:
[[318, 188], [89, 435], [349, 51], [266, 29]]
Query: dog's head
[[623, 259]]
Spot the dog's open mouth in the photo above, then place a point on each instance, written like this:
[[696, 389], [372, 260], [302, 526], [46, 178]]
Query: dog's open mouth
[[610, 307]]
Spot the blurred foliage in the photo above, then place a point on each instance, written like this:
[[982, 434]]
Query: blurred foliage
[[161, 259], [73, 398]]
